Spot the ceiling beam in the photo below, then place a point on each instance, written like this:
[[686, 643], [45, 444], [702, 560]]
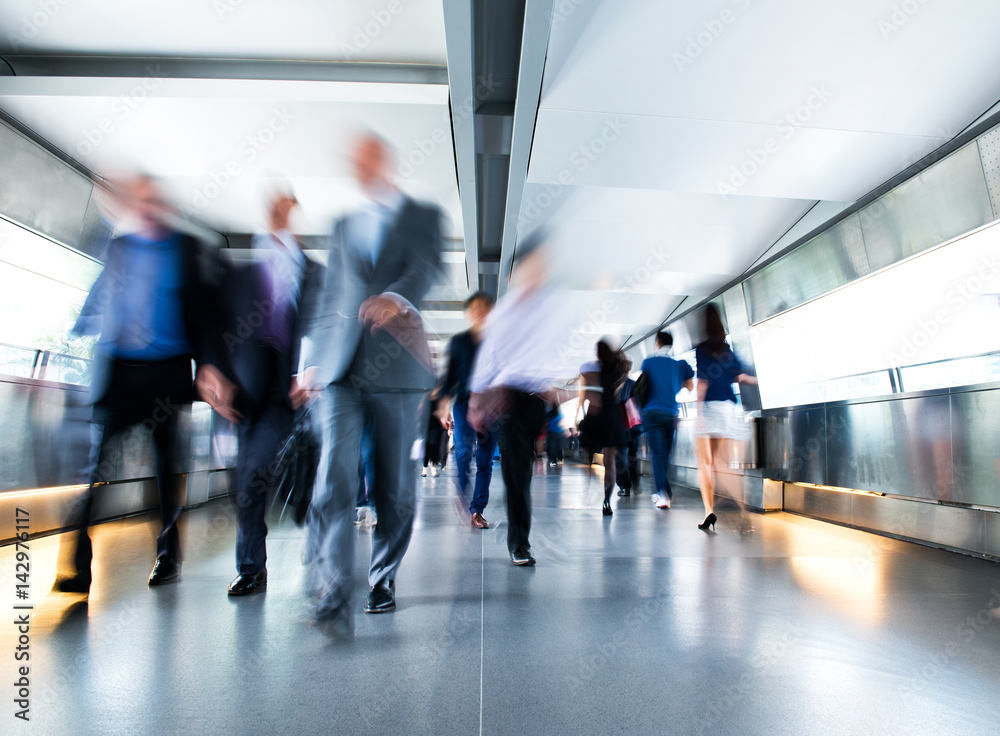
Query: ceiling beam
[[458, 39], [28, 65], [534, 44]]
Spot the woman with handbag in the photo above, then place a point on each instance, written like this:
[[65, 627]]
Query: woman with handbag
[[603, 427]]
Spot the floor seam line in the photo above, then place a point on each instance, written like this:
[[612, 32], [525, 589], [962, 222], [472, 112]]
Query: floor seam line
[[482, 628]]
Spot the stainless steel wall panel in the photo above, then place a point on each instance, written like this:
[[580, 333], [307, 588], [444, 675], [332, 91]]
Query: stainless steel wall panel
[[974, 476], [989, 154], [991, 533], [823, 504], [683, 452], [833, 258], [942, 202], [739, 332], [902, 447], [807, 459], [772, 495], [200, 432], [45, 435], [943, 526]]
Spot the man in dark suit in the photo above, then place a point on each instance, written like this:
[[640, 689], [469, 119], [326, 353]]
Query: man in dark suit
[[154, 306], [268, 304], [370, 361]]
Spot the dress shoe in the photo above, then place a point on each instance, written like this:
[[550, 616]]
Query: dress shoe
[[165, 571], [76, 584], [247, 583], [381, 598], [522, 556], [479, 522], [336, 622]]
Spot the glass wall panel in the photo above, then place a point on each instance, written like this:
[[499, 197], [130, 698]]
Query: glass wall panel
[[944, 201], [933, 307], [43, 285]]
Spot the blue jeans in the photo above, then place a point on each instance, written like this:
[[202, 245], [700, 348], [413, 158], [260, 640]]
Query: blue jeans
[[366, 468], [465, 437], [660, 429]]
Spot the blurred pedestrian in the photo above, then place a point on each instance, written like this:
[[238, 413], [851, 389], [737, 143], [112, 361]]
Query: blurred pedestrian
[[369, 359], [603, 427], [516, 370], [268, 305], [665, 378], [719, 427], [155, 308]]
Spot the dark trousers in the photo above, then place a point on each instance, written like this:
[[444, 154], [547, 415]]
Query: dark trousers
[[660, 429], [152, 394], [520, 427], [554, 445], [261, 434], [627, 465]]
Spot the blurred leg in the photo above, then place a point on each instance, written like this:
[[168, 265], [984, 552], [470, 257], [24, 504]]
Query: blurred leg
[[706, 472], [395, 416], [517, 438], [330, 527], [485, 446]]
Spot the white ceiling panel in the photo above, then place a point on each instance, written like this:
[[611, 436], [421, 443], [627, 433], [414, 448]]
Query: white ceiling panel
[[902, 68], [712, 157], [410, 31], [217, 152], [664, 230]]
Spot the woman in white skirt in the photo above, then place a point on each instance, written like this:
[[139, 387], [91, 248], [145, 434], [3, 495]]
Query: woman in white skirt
[[719, 427]]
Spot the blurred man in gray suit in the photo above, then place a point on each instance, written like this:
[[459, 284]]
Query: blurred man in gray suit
[[367, 360]]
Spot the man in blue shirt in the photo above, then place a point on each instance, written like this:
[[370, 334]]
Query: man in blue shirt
[[155, 311], [666, 377]]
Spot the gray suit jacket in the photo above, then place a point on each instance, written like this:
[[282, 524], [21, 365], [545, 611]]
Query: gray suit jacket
[[409, 261]]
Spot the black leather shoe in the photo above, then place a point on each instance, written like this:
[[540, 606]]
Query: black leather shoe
[[245, 584], [76, 584], [522, 556], [381, 598], [165, 571]]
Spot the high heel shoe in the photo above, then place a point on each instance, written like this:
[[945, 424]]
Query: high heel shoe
[[607, 509], [708, 522]]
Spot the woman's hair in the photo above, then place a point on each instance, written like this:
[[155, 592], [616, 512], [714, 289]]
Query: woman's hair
[[605, 355], [715, 333]]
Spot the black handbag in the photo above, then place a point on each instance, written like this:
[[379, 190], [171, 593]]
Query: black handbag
[[298, 460]]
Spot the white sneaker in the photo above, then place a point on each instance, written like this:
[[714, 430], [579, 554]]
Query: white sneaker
[[655, 498], [423, 473], [434, 471], [662, 501]]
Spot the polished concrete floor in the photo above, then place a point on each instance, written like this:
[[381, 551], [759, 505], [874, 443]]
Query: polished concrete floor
[[634, 624]]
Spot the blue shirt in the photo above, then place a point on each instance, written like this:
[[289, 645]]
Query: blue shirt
[[719, 371], [148, 313], [666, 377]]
